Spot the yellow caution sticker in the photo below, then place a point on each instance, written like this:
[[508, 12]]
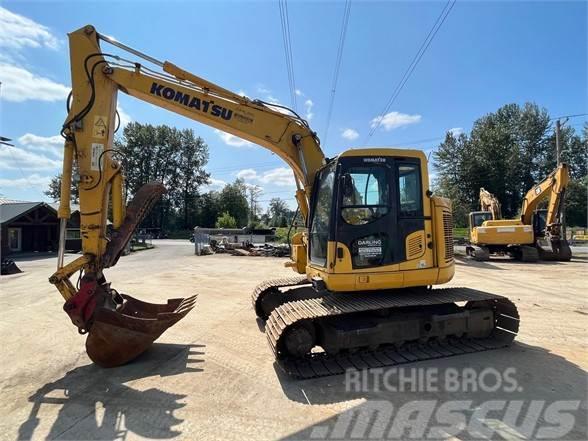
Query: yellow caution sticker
[[100, 128]]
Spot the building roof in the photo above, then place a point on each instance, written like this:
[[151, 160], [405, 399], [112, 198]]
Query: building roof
[[10, 211], [73, 207]]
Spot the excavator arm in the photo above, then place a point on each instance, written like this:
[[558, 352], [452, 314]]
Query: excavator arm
[[97, 77], [552, 187], [489, 202]]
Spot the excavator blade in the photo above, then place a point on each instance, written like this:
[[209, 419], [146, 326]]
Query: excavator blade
[[120, 334]]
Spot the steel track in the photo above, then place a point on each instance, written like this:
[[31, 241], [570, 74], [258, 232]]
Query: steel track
[[330, 305], [271, 286]]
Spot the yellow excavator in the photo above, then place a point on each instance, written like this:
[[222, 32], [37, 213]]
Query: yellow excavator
[[377, 239], [521, 238]]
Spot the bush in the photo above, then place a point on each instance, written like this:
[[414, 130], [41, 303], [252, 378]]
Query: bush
[[226, 221]]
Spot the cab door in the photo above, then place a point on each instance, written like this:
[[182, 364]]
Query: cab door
[[379, 203]]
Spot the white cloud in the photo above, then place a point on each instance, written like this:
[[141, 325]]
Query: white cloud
[[393, 120], [17, 32], [272, 99], [125, 118], [349, 134], [13, 158], [280, 176], [242, 93], [50, 144], [20, 85], [298, 92], [456, 131], [248, 174], [232, 140], [213, 185], [32, 181], [263, 90], [308, 104]]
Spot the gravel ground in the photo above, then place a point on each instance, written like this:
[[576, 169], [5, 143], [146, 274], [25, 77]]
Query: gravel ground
[[212, 375]]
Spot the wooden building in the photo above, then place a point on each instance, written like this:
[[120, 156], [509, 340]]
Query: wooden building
[[27, 227]]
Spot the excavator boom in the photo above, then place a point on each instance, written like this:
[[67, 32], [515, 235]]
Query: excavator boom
[[121, 327], [489, 202]]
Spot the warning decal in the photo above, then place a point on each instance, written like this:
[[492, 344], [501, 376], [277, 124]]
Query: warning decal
[[100, 128], [97, 150]]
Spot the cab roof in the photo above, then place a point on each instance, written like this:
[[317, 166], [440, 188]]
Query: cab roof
[[384, 151]]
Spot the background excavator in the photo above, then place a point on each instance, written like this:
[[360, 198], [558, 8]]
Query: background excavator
[[377, 239], [521, 238]]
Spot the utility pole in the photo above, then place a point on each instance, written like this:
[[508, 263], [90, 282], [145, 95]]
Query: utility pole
[[558, 157], [557, 142]]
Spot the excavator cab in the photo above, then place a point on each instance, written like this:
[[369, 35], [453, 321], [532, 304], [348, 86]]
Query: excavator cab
[[540, 222], [477, 218], [371, 212]]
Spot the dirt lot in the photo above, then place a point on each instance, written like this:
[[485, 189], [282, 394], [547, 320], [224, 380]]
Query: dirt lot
[[212, 375]]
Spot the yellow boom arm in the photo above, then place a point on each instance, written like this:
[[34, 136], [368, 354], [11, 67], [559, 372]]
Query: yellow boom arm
[[553, 186], [89, 129]]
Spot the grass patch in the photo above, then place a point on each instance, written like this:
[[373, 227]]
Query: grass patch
[[460, 232]]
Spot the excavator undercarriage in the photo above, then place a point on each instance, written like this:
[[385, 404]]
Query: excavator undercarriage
[[314, 334]]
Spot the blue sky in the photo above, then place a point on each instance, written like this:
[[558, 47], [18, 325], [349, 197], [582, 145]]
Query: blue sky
[[486, 54]]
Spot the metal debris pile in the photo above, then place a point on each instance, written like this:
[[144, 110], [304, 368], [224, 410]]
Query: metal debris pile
[[263, 250]]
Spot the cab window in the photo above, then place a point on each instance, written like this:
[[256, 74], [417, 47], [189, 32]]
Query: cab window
[[365, 195], [409, 186], [319, 228]]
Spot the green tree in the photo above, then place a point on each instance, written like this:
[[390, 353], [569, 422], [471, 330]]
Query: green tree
[[171, 156], [278, 213], [576, 197], [54, 189], [233, 200], [226, 221], [506, 152], [208, 209]]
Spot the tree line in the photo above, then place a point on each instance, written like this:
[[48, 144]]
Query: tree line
[[507, 152], [177, 158]]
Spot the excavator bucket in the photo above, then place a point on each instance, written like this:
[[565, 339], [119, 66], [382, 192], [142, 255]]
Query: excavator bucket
[[117, 336], [121, 327]]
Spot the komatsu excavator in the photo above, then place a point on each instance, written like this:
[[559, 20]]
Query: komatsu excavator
[[377, 239], [521, 238]]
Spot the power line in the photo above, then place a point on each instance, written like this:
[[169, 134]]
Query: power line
[[285, 22], [231, 168], [577, 115], [17, 164], [415, 61], [338, 59]]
